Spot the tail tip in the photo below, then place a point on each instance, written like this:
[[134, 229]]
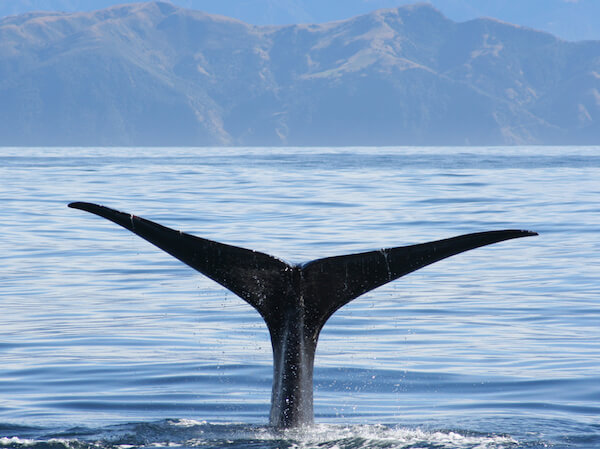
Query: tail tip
[[77, 205], [82, 205]]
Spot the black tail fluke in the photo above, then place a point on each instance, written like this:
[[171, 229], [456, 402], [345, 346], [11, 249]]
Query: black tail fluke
[[341, 279], [254, 276], [324, 284], [295, 300]]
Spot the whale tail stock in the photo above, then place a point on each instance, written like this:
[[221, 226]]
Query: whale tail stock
[[295, 300]]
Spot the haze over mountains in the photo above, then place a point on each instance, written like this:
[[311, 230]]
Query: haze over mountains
[[157, 74]]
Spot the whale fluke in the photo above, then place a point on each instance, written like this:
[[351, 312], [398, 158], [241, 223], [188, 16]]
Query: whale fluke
[[295, 300], [251, 275]]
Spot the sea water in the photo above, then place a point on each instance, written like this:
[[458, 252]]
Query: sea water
[[107, 342]]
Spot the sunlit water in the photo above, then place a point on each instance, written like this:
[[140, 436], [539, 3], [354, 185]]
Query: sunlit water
[[106, 341]]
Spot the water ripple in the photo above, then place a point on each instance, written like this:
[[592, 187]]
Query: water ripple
[[107, 342]]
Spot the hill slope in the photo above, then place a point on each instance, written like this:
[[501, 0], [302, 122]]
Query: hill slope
[[156, 74]]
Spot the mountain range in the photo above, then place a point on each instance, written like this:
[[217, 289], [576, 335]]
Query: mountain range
[[157, 74], [568, 19]]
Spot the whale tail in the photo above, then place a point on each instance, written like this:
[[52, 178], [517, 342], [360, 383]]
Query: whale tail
[[295, 300], [262, 280]]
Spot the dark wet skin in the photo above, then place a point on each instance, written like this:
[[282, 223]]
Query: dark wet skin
[[295, 300]]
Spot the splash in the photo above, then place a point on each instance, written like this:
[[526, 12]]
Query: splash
[[381, 436], [187, 433]]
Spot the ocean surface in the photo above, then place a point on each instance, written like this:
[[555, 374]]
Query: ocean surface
[[107, 342]]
